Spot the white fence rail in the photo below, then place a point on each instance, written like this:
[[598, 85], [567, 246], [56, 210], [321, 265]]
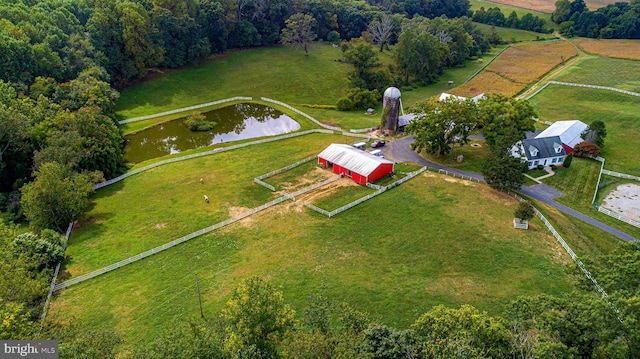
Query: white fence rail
[[53, 280], [259, 179], [206, 153], [618, 216], [457, 175], [621, 175], [379, 190], [584, 86], [361, 130], [165, 246], [572, 254], [184, 109], [335, 128]]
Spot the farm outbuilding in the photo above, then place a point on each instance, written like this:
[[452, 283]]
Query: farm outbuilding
[[360, 166], [570, 133]]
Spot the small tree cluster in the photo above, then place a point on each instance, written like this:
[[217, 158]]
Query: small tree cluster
[[586, 149], [358, 98], [524, 211], [199, 123]]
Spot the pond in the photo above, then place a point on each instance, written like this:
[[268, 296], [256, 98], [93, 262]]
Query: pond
[[238, 122]]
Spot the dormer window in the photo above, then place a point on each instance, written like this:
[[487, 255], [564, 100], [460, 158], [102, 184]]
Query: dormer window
[[557, 147], [533, 151]]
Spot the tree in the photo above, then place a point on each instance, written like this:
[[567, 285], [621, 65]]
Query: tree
[[56, 197], [381, 30], [501, 116], [501, 170], [586, 149], [419, 55], [478, 334], [192, 338], [595, 133], [255, 319], [366, 63], [383, 342], [562, 12], [438, 125], [44, 250], [299, 31], [524, 211]]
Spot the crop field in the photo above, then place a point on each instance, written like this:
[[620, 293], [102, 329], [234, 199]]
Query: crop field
[[623, 49], [517, 67], [545, 6], [432, 240], [619, 112], [602, 71]]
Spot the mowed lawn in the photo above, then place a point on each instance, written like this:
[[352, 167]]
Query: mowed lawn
[[167, 202], [603, 71], [619, 112], [433, 240], [279, 72]]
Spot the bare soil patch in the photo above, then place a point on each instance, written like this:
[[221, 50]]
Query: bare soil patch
[[624, 200], [621, 49], [161, 225]]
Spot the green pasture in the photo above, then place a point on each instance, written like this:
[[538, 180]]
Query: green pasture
[[506, 10], [515, 35], [578, 183], [279, 72], [312, 84], [433, 240], [603, 71], [167, 202], [619, 112]]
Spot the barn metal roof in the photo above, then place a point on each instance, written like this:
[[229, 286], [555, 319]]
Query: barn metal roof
[[569, 132], [351, 158]]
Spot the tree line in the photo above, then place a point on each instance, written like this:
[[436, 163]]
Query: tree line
[[494, 16], [620, 20]]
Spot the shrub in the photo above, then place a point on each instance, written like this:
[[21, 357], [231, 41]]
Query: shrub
[[554, 167], [198, 122], [586, 149], [567, 160], [540, 167], [333, 36], [358, 98], [524, 211]]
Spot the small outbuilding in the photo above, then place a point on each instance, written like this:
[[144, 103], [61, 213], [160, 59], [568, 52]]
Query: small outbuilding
[[360, 166]]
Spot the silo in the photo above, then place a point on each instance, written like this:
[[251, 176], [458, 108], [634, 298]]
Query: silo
[[391, 107]]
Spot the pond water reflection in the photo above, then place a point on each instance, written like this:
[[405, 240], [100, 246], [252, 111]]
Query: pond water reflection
[[237, 122]]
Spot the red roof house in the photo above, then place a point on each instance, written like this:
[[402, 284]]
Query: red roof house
[[359, 165]]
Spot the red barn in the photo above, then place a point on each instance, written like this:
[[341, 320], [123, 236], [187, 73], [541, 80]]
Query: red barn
[[359, 165]]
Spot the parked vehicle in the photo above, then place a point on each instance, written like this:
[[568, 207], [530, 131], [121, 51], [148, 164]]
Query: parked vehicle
[[377, 143], [360, 145]]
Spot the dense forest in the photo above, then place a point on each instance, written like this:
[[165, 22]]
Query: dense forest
[[614, 21], [61, 65]]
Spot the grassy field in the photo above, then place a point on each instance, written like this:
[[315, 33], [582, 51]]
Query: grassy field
[[602, 71], [517, 67], [433, 240], [321, 82], [623, 49], [515, 35], [545, 6], [278, 72], [619, 112], [508, 6], [166, 203]]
